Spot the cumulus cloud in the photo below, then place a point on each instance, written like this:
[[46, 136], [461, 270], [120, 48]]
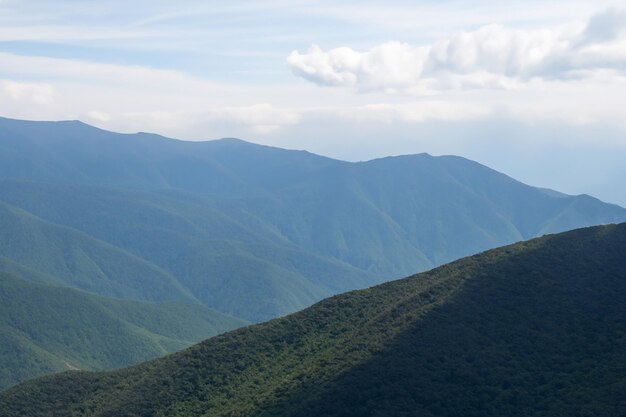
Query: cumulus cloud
[[605, 26], [491, 57]]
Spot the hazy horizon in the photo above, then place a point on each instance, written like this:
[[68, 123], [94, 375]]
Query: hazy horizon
[[534, 90]]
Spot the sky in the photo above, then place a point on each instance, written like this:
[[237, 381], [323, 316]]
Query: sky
[[534, 89]]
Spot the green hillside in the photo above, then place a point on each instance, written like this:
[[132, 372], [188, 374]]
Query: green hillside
[[532, 329], [155, 247], [68, 256], [46, 329]]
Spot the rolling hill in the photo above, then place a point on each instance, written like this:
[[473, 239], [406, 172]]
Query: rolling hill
[[532, 329], [45, 328]]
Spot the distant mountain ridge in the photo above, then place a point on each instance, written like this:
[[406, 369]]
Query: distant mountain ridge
[[228, 222], [532, 329]]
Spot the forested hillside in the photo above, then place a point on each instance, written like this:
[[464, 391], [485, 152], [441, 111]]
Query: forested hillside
[[46, 328], [537, 328]]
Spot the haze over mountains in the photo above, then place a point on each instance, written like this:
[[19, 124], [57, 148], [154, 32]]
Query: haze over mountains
[[532, 329], [243, 232]]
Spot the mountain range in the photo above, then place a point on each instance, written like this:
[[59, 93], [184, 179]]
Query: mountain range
[[532, 329], [242, 232]]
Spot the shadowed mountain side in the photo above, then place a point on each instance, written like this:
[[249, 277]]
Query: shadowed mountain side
[[46, 329], [535, 328], [520, 340]]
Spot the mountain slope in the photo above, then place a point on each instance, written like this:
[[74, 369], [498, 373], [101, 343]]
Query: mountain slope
[[199, 252], [70, 257], [46, 329], [389, 216], [400, 214], [536, 328]]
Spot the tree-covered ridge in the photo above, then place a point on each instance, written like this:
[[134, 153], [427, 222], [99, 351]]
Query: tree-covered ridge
[[535, 328], [46, 329]]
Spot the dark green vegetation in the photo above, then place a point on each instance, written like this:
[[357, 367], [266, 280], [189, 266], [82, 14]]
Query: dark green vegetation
[[250, 231], [533, 329], [47, 329]]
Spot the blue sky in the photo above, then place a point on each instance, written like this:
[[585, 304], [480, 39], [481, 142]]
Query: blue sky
[[535, 89]]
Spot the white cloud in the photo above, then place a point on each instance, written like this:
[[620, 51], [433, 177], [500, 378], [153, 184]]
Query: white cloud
[[605, 26], [390, 66], [98, 116], [258, 119], [139, 97], [568, 73], [74, 70], [412, 112], [261, 118], [30, 93], [491, 57]]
